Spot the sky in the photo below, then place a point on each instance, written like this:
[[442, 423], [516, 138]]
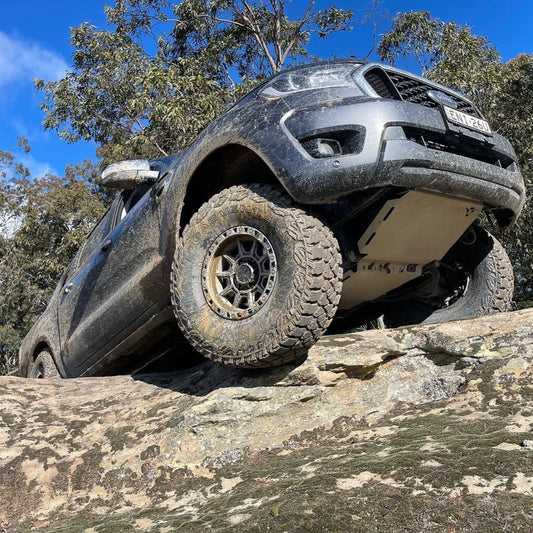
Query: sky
[[34, 43]]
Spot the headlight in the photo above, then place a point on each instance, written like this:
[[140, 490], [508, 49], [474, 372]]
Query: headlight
[[314, 77]]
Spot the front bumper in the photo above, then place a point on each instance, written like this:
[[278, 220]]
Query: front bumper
[[388, 157]]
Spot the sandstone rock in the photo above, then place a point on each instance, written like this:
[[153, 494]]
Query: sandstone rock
[[412, 429]]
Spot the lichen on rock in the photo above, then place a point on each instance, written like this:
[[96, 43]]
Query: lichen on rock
[[422, 428]]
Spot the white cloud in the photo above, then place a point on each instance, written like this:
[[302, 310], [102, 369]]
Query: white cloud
[[37, 169], [22, 60]]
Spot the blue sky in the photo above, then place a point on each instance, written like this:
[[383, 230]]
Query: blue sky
[[34, 42]]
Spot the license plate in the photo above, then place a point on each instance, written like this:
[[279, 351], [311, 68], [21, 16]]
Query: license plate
[[474, 123]]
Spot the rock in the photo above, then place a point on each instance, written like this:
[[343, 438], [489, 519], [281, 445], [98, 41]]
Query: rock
[[421, 428]]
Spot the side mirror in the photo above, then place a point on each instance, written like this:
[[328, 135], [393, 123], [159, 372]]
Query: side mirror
[[126, 175]]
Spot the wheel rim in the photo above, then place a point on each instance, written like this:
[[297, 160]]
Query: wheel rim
[[239, 272]]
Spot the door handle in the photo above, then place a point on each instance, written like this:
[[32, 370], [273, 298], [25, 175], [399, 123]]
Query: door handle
[[105, 247], [67, 287]]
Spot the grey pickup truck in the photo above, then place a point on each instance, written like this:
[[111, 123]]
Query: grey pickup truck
[[331, 194]]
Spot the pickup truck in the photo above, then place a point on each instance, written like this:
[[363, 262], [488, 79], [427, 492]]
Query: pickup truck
[[332, 194]]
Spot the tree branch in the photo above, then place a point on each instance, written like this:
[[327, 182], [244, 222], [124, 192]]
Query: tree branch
[[375, 24], [223, 21], [278, 12], [256, 30], [297, 32]]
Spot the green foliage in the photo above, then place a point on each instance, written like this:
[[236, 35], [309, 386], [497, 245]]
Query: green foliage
[[512, 112], [163, 70], [414, 33], [131, 104], [44, 222], [254, 38], [450, 54], [435, 44]]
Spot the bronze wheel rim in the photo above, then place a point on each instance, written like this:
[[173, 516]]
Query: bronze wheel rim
[[239, 272]]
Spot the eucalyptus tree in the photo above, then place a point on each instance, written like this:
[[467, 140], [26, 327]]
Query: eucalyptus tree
[[161, 71], [44, 221]]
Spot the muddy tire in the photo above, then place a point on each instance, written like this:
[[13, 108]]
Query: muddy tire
[[489, 287], [44, 366], [477, 280], [255, 280]]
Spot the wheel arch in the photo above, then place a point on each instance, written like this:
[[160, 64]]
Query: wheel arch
[[31, 354], [232, 164], [27, 357]]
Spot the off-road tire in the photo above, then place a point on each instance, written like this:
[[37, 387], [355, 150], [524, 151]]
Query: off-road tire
[[299, 304], [490, 285], [43, 367]]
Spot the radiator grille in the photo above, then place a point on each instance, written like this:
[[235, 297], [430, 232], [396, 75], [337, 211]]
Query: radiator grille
[[399, 86], [463, 147]]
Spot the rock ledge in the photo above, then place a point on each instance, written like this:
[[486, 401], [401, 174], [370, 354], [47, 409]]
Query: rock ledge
[[422, 428]]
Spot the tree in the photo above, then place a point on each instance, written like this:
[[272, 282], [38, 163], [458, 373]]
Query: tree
[[163, 71], [513, 114], [450, 54], [45, 221]]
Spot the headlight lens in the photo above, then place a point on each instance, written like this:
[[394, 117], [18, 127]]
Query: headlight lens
[[314, 77]]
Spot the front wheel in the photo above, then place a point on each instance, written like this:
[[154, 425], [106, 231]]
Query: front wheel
[[255, 280]]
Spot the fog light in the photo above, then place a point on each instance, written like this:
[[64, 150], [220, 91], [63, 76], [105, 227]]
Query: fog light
[[319, 147]]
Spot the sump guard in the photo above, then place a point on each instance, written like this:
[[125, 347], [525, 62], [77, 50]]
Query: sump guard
[[408, 233]]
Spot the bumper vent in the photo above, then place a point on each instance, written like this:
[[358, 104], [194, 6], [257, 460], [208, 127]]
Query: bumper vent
[[463, 147], [330, 143]]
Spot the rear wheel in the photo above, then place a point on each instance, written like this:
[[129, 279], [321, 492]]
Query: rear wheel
[[43, 366], [256, 281]]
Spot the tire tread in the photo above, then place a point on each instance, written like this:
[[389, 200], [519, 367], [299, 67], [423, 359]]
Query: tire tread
[[317, 284]]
